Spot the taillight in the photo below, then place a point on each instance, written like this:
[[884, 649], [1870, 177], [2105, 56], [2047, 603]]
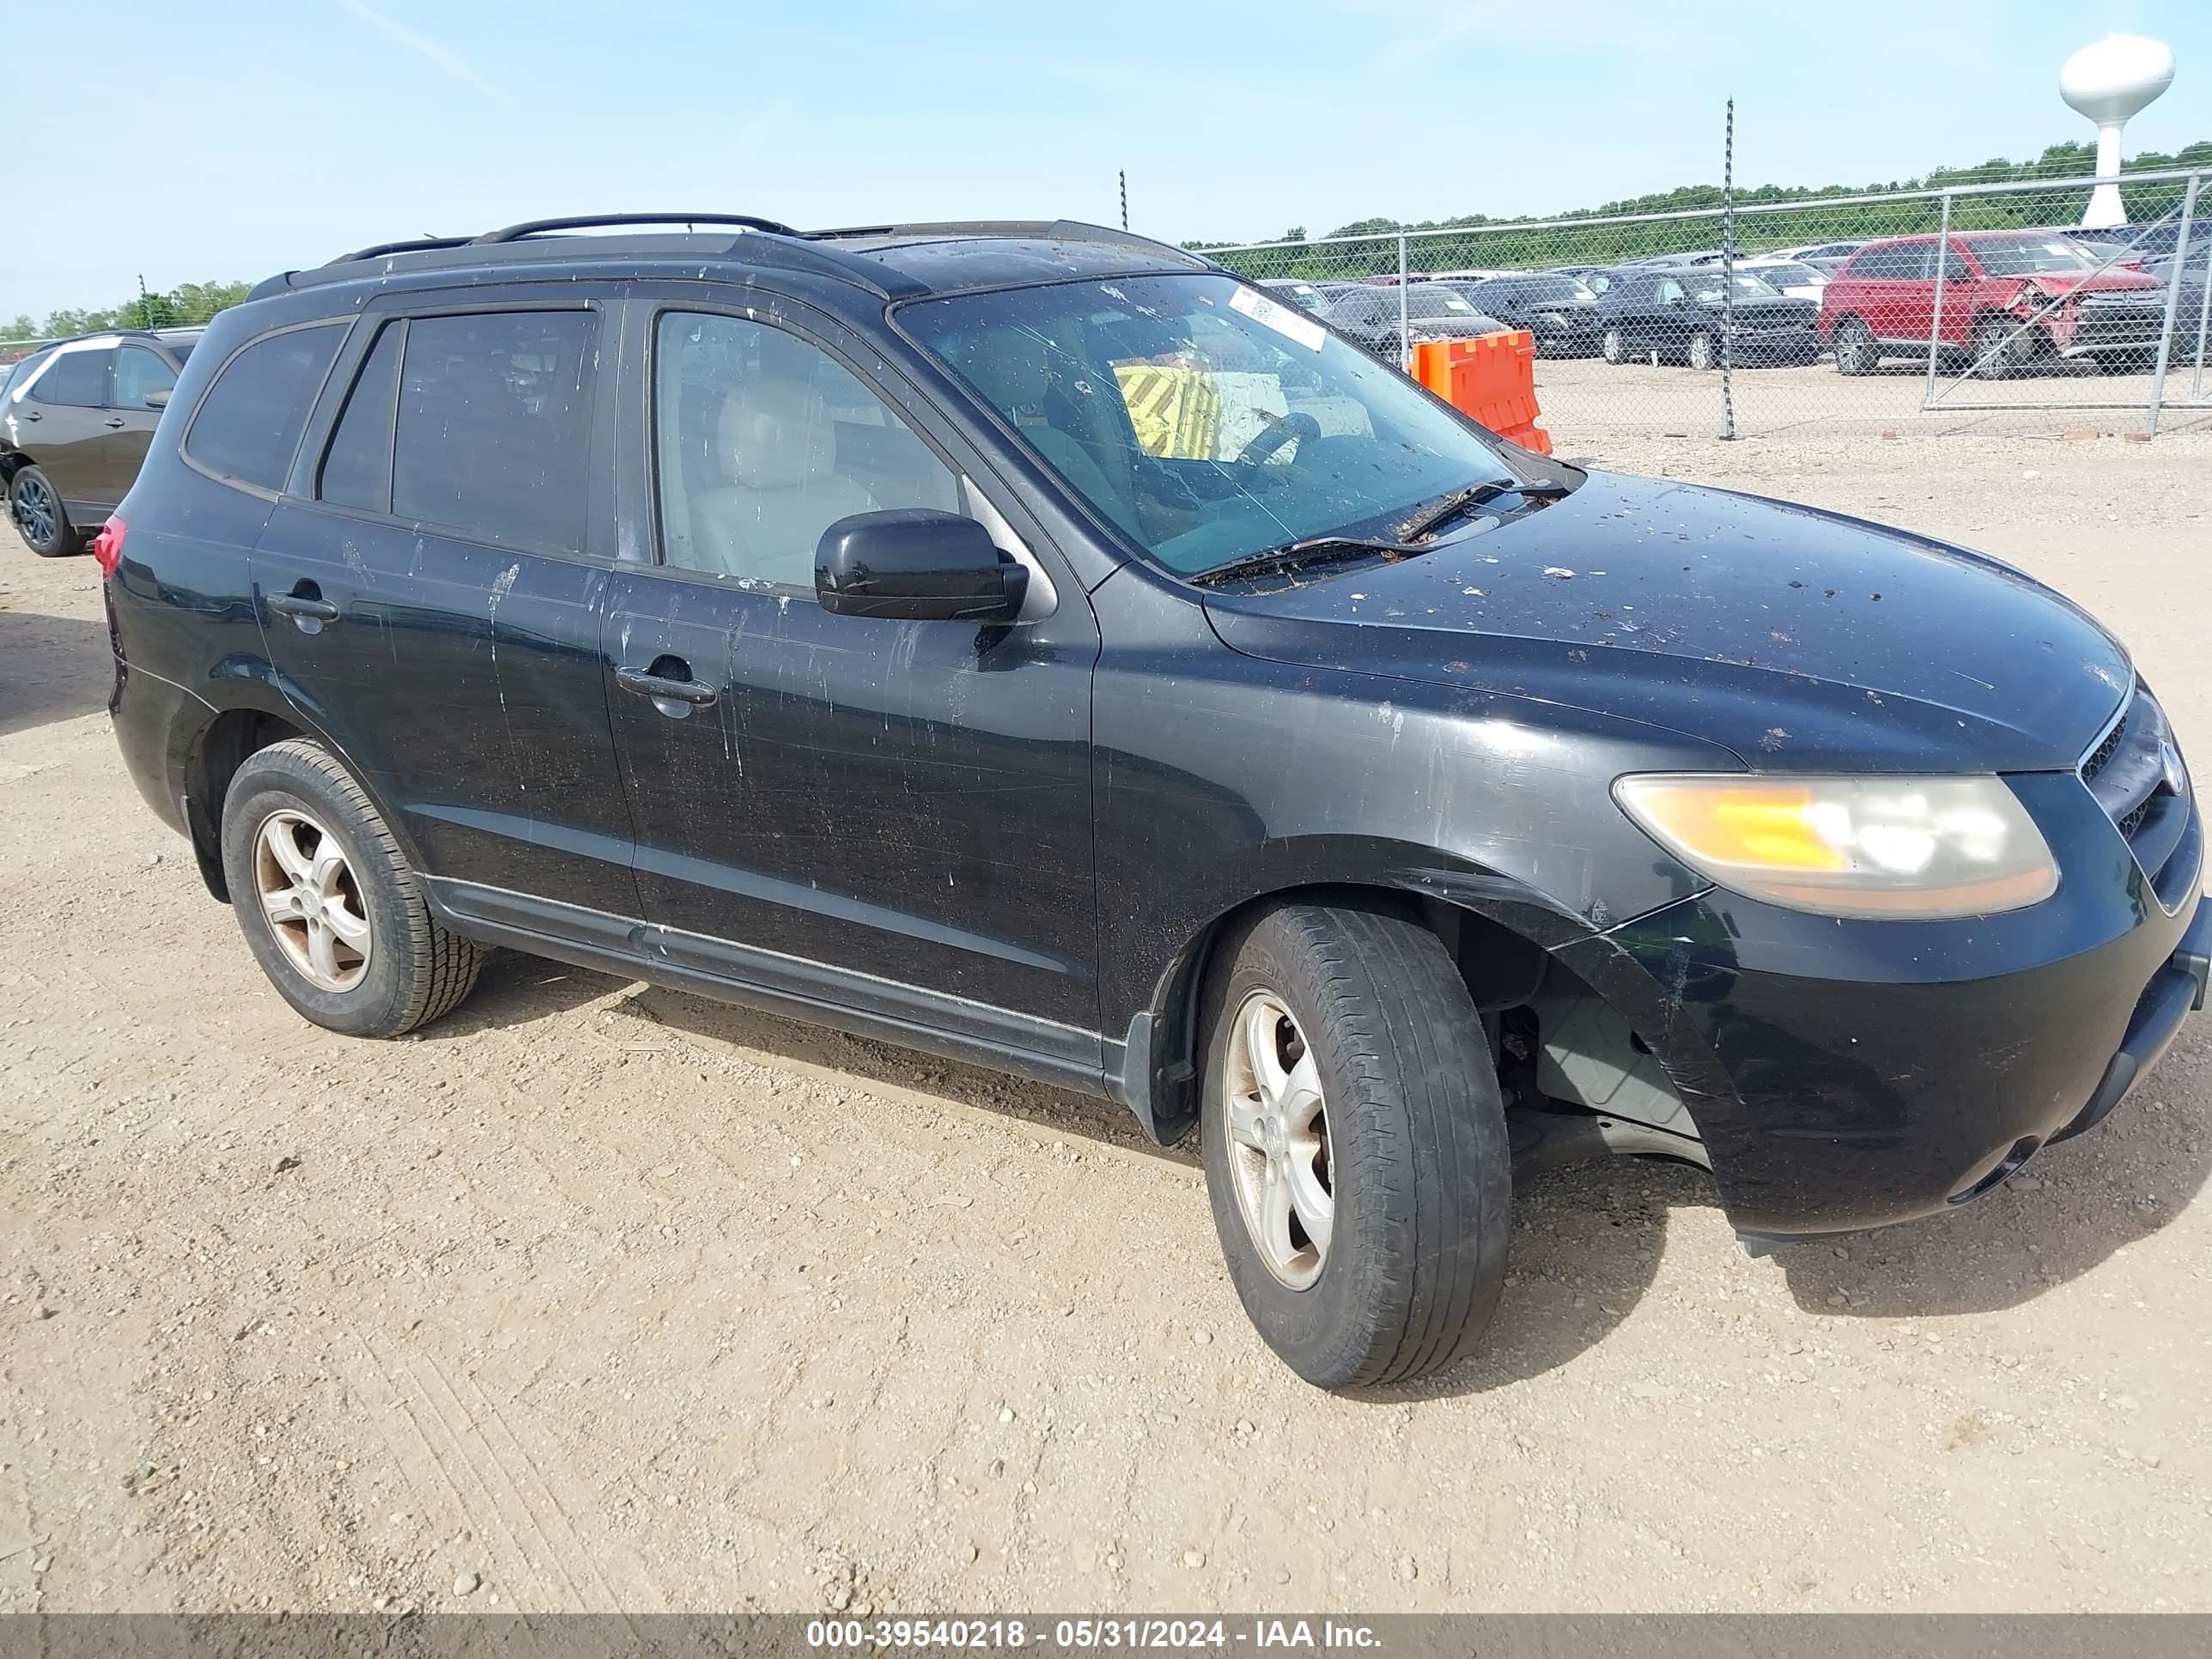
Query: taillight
[[107, 544]]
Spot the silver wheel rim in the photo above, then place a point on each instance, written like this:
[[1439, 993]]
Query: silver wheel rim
[[311, 901], [1277, 1126], [1609, 347], [1701, 351]]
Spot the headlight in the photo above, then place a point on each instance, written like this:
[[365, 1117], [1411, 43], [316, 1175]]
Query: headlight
[[1885, 848]]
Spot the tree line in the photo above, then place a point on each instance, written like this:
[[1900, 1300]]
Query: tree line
[[1792, 215], [186, 304]]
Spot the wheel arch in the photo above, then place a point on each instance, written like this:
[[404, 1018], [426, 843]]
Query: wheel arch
[[1498, 946], [216, 752]]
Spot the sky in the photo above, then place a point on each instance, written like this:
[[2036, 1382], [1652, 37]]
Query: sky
[[272, 134]]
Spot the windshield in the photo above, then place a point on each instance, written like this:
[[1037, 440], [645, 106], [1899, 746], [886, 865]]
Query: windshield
[[1207, 421], [1709, 289], [1789, 275], [2030, 256], [1548, 290], [1435, 300]]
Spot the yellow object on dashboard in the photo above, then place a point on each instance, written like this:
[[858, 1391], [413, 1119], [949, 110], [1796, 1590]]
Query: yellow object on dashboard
[[1176, 409]]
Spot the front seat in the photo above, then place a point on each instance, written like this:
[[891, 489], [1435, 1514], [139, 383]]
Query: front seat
[[776, 446], [1009, 368]]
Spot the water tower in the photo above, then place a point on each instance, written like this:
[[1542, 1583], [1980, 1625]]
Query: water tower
[[2108, 83]]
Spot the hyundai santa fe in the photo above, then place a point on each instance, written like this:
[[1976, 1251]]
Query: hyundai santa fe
[[1032, 644]]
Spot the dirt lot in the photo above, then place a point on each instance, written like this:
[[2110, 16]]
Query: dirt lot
[[599, 1297]]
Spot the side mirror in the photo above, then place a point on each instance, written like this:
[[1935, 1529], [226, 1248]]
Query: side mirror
[[920, 564], [157, 400]]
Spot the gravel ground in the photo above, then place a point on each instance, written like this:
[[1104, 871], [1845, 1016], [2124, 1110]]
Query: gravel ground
[[596, 1295]]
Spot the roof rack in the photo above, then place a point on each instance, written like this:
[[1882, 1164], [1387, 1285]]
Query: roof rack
[[588, 220], [1064, 230], [416, 245]]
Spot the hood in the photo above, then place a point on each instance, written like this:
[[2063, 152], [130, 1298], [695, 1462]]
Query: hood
[[2110, 281], [1803, 640]]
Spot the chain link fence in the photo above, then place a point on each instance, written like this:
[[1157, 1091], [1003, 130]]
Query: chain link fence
[[1829, 313]]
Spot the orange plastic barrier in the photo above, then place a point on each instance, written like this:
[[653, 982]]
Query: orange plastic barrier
[[1492, 378]]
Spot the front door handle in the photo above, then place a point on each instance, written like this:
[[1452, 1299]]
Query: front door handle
[[33, 415], [113, 422], [666, 688], [307, 607]]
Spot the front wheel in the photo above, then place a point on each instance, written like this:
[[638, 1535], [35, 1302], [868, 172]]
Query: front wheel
[[40, 518], [1609, 346], [1855, 348], [328, 905], [1355, 1144], [1701, 354]]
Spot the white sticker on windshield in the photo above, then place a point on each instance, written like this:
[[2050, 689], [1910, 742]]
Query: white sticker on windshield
[[1284, 321]]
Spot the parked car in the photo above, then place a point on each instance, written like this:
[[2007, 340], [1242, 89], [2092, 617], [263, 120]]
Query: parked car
[[1822, 256], [1558, 310], [2012, 300], [1682, 316], [1793, 278], [1434, 311], [1033, 644], [1305, 295], [75, 422]]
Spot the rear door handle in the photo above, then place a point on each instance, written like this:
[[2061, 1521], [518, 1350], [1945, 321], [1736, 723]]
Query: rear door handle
[[112, 420], [664, 689]]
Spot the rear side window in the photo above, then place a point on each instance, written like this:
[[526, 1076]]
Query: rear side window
[[138, 375], [248, 424], [494, 425], [74, 380], [357, 472]]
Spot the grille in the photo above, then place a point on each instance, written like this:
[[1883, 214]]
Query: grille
[[2135, 774]]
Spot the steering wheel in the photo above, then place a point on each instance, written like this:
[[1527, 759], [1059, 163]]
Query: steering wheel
[[1281, 430]]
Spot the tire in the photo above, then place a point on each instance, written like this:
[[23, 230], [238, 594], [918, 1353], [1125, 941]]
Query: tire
[[1699, 353], [1609, 346], [1411, 1156], [401, 968], [1855, 351], [40, 519]]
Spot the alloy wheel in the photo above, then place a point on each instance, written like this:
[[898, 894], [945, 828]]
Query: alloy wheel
[[36, 511], [312, 901], [1277, 1125]]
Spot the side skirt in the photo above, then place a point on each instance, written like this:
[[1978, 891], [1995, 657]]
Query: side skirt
[[814, 992]]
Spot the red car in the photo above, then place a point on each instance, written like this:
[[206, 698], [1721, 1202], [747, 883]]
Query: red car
[[2011, 299]]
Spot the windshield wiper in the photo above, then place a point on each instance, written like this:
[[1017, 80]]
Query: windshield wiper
[[1307, 554], [1433, 518]]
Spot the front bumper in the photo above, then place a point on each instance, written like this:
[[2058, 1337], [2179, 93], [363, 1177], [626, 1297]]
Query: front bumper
[[1849, 1074]]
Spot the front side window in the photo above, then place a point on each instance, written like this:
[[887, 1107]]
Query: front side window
[[763, 440], [1204, 420], [248, 424], [494, 425], [139, 374], [74, 380]]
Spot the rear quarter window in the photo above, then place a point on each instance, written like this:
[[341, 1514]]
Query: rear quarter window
[[248, 423]]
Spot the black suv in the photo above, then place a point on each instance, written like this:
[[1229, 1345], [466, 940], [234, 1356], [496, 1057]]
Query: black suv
[[75, 418], [1682, 313], [1032, 644]]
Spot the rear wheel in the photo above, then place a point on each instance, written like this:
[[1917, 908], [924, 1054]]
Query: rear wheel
[[1855, 352], [1609, 346], [1355, 1145], [40, 518], [328, 905]]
